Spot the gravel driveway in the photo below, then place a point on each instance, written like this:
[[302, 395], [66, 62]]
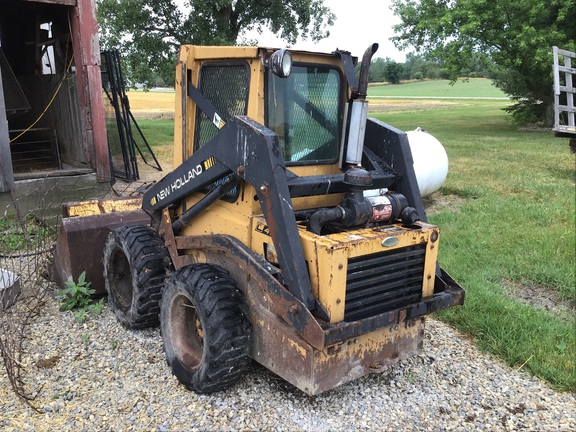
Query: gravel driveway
[[98, 376]]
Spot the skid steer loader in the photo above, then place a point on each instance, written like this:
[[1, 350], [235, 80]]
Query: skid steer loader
[[290, 232]]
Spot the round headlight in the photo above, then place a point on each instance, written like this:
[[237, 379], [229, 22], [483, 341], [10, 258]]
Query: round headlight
[[281, 63]]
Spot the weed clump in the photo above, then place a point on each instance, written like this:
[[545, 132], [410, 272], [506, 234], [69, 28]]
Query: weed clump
[[78, 296]]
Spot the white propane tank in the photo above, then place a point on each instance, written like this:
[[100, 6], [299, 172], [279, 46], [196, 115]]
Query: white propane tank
[[430, 161]]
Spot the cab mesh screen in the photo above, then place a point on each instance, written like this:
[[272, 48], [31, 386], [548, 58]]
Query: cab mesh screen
[[226, 86]]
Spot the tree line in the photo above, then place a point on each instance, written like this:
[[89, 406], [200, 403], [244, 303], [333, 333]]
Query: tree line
[[509, 41], [418, 67]]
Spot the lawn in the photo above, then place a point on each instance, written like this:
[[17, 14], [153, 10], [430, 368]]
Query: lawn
[[512, 231], [473, 88], [508, 228]]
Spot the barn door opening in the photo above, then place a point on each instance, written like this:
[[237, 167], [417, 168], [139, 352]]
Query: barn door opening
[[40, 87]]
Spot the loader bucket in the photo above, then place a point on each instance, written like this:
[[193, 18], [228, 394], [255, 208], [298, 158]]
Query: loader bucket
[[83, 232]]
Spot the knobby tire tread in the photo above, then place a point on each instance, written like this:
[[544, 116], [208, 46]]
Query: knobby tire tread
[[227, 331], [149, 262]]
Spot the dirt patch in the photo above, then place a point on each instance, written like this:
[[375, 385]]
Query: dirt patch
[[437, 203], [380, 105], [148, 174], [542, 297], [157, 114]]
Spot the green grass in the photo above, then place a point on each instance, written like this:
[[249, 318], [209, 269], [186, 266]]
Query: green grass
[[29, 235], [478, 87], [516, 224], [158, 133]]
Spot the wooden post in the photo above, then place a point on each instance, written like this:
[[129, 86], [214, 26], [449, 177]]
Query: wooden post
[[6, 171], [87, 59]]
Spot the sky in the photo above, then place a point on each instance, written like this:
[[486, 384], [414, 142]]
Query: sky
[[358, 24]]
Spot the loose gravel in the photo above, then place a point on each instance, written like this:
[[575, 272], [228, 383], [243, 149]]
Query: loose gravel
[[99, 376]]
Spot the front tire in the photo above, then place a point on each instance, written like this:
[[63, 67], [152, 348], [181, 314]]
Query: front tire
[[135, 266], [205, 328]]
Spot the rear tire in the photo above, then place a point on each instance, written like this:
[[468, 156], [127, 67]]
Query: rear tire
[[205, 328], [135, 266]]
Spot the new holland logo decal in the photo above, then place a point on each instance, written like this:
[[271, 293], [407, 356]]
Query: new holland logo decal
[[182, 180]]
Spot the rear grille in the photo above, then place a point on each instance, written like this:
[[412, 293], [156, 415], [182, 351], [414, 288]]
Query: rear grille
[[384, 281]]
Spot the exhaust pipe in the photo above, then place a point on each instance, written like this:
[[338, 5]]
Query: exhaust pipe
[[359, 112]]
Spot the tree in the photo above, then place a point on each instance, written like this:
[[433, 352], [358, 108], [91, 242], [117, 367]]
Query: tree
[[377, 70], [393, 72], [384, 70], [517, 36], [149, 32]]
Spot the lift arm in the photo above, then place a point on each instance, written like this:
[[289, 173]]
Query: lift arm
[[252, 152]]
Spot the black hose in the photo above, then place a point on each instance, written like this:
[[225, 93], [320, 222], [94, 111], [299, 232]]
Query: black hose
[[217, 193], [324, 216]]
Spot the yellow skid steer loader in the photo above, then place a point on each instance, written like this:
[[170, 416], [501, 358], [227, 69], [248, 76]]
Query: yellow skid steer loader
[[291, 231]]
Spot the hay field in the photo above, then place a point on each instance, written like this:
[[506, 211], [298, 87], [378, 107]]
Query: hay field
[[152, 104]]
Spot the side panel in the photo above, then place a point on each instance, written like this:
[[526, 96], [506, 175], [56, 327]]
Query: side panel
[[315, 371], [391, 145], [328, 259]]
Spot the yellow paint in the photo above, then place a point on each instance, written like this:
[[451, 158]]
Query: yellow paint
[[94, 207], [331, 253], [373, 342], [430, 267]]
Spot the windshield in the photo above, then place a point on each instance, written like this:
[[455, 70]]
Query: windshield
[[304, 110]]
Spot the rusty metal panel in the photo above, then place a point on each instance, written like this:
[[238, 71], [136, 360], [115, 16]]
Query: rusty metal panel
[[81, 243], [315, 371]]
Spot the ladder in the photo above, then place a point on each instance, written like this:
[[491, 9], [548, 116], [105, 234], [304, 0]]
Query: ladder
[[564, 92]]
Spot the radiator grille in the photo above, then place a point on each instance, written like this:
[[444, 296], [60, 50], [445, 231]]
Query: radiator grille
[[384, 281]]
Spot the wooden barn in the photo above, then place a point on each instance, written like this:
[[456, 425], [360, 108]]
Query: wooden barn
[[52, 122]]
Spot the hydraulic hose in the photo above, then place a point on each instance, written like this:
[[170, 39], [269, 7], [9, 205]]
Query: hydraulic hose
[[324, 216]]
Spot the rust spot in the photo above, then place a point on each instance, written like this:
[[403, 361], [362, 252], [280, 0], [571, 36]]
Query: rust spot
[[402, 316], [340, 266], [294, 309], [338, 301]]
